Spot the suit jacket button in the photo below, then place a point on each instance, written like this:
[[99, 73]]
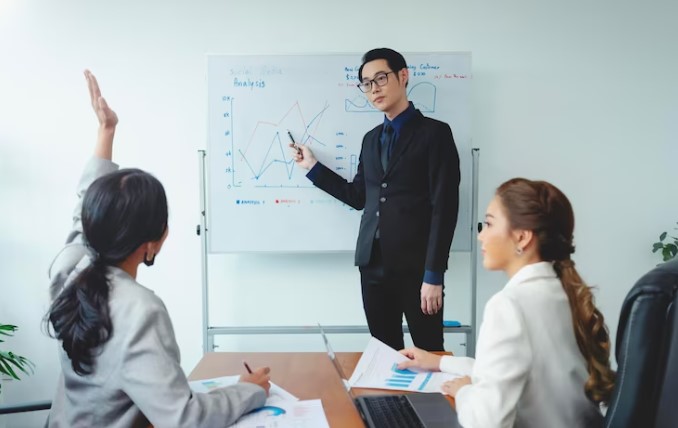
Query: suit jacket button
[[382, 199], [377, 213], [384, 185]]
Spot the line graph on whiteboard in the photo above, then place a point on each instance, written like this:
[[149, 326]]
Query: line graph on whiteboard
[[254, 191], [259, 154]]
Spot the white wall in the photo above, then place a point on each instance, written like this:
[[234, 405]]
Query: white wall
[[579, 93]]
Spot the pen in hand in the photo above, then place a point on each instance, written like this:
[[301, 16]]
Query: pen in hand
[[262, 378], [294, 143]]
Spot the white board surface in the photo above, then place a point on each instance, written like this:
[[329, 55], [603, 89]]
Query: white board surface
[[258, 199]]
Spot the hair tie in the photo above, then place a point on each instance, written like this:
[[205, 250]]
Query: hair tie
[[93, 254], [567, 243], [565, 263], [96, 258]]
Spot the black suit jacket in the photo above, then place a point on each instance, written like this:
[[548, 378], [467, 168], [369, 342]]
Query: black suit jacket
[[414, 202]]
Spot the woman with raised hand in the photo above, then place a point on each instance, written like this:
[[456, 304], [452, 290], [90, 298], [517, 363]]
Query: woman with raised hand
[[119, 357], [543, 349]]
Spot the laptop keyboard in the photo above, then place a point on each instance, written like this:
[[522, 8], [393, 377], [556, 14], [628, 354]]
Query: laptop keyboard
[[393, 411]]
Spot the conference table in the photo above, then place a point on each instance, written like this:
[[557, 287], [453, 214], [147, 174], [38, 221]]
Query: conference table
[[307, 375]]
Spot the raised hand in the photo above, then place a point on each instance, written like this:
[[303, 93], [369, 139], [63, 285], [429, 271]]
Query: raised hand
[[108, 120], [107, 117]]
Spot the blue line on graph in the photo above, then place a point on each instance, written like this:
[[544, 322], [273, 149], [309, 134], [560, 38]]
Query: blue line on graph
[[400, 378], [289, 164], [423, 96], [398, 384], [395, 369], [307, 135], [276, 145], [310, 137], [232, 146], [423, 384], [358, 104]]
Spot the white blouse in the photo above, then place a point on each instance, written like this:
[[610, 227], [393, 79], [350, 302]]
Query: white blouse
[[528, 370]]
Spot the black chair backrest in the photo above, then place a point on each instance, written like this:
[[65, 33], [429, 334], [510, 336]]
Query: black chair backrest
[[667, 412], [647, 353], [25, 407]]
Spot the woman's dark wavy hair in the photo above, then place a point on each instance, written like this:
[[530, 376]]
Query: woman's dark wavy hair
[[120, 212], [542, 208]]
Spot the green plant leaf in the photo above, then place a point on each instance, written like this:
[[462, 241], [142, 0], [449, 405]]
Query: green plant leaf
[[662, 236], [21, 363], [7, 369], [7, 329], [657, 246], [10, 363]]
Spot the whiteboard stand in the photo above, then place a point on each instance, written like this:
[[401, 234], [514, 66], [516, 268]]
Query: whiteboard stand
[[208, 332], [207, 342], [471, 339]]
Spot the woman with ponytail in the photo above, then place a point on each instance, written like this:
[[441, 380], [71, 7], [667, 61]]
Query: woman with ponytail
[[119, 357], [543, 351]]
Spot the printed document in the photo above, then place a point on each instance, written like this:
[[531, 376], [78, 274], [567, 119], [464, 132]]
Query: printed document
[[285, 414], [378, 368], [282, 409], [276, 393]]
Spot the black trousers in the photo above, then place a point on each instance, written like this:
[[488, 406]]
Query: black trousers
[[387, 295]]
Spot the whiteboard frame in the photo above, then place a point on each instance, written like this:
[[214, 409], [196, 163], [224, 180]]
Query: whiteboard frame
[[466, 148], [209, 332]]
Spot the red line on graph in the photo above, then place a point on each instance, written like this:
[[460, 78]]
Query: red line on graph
[[261, 122]]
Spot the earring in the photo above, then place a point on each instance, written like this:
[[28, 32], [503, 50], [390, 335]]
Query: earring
[[519, 251], [149, 262]]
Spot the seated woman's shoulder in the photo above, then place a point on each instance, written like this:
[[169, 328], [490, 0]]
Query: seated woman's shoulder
[[130, 294]]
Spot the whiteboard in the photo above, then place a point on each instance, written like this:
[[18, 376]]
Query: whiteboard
[[258, 200]]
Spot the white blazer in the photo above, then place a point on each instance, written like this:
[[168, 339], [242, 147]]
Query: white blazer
[[528, 370]]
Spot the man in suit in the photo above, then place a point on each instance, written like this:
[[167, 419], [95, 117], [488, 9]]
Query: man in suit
[[407, 183]]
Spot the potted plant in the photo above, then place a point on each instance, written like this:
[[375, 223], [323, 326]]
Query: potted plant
[[10, 363], [668, 249]]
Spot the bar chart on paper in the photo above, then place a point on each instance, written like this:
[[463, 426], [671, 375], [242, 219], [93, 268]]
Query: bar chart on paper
[[378, 368], [257, 194], [401, 378]]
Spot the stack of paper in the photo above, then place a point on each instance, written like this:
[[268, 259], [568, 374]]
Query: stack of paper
[[378, 368], [282, 409]]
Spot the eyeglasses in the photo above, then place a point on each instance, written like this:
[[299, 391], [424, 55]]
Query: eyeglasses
[[381, 79]]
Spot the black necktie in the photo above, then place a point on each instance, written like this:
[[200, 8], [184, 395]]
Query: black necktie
[[387, 137]]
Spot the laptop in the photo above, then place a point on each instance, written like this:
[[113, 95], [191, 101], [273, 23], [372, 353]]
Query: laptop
[[416, 410]]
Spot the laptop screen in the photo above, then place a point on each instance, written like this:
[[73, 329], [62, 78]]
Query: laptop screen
[[335, 363]]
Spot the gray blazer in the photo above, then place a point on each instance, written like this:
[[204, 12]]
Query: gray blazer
[[137, 378]]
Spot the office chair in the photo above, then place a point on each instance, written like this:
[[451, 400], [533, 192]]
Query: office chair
[[647, 353]]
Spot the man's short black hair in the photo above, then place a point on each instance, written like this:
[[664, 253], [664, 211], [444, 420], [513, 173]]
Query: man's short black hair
[[395, 60]]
